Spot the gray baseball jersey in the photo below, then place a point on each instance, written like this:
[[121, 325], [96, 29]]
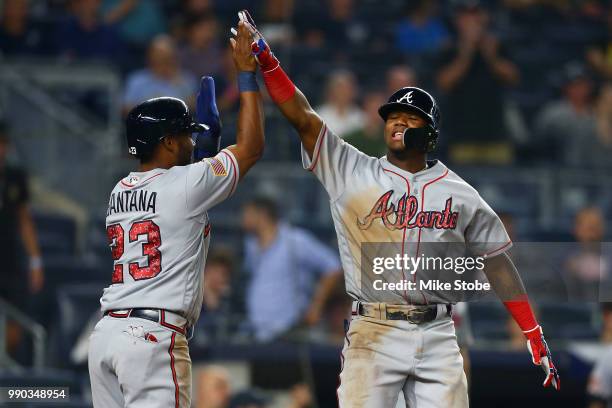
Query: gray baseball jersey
[[373, 201], [159, 231]]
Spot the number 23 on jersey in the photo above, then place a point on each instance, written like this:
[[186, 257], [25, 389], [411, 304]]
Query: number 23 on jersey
[[150, 249]]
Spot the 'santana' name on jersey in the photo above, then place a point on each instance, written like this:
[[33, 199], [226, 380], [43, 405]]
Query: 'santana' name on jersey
[[407, 215], [132, 201]]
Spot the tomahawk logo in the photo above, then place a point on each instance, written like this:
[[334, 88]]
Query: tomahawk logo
[[407, 97]]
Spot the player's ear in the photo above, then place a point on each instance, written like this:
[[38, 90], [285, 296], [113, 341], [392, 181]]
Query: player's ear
[[169, 143]]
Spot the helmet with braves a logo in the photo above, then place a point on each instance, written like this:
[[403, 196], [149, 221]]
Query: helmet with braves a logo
[[414, 99], [149, 122]]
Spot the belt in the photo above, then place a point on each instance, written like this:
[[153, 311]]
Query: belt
[[416, 314], [171, 320]]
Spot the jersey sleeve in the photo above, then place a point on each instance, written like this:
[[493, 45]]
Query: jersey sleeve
[[486, 235], [211, 181], [333, 161]]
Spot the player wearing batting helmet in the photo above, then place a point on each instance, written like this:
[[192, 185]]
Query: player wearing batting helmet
[[401, 337], [159, 232]]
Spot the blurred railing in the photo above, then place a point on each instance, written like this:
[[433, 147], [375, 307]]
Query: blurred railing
[[65, 123], [38, 332]]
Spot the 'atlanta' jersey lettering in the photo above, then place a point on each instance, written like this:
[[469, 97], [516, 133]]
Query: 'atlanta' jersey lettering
[[374, 202], [407, 215]]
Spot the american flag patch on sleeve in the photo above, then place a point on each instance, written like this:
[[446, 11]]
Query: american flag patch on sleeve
[[217, 167]]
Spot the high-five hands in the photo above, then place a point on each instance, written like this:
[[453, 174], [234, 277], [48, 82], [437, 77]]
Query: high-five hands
[[242, 54], [259, 47]]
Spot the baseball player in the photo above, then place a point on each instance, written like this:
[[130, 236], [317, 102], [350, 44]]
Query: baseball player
[[159, 232], [398, 341]]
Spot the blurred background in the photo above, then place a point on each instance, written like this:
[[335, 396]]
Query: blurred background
[[525, 88]]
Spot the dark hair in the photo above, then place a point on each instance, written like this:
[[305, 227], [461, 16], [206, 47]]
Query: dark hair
[[266, 204], [221, 256], [192, 20]]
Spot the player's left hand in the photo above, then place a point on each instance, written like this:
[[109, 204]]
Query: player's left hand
[[540, 355], [241, 49]]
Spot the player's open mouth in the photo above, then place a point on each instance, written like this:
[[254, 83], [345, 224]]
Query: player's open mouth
[[398, 136]]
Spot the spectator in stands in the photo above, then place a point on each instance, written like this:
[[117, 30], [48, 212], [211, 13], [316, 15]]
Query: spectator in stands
[[606, 323], [369, 139], [599, 386], [198, 6], [183, 10], [331, 328], [599, 55], [213, 388], [301, 396], [603, 115], [85, 35], [336, 27], [422, 31], [252, 398], [584, 268], [292, 274], [472, 74], [278, 23], [399, 76], [18, 35], [17, 231], [568, 126], [214, 322], [138, 21], [225, 85], [162, 77], [201, 53], [339, 111]]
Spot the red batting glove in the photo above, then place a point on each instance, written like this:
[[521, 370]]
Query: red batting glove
[[540, 355]]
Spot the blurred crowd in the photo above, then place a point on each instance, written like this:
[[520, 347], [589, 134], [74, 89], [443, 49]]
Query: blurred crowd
[[520, 82]]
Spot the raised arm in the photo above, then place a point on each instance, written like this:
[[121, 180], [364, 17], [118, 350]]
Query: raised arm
[[300, 114], [250, 135], [290, 100]]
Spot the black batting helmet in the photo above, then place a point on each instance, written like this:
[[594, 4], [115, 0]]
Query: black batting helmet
[[152, 120], [417, 100]]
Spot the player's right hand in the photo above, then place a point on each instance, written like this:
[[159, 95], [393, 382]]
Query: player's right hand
[[540, 355], [241, 49]]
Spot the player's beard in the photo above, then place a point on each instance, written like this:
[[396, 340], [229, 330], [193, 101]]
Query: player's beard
[[403, 154]]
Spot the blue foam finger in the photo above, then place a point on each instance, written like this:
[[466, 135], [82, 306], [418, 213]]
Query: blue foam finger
[[207, 143]]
